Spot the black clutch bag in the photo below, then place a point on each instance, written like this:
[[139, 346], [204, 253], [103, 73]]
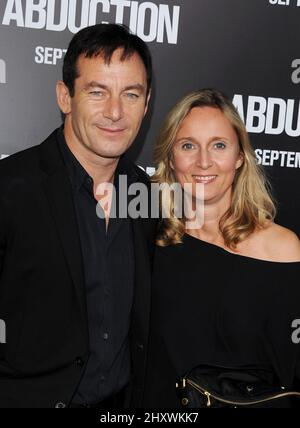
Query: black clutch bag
[[216, 387]]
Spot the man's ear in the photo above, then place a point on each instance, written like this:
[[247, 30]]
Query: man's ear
[[147, 102], [63, 97]]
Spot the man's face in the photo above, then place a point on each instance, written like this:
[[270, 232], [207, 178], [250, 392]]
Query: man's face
[[105, 113]]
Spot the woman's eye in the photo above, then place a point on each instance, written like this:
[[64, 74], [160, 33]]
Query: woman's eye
[[220, 145], [187, 146]]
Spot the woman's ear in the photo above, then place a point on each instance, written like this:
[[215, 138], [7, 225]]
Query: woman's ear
[[171, 164], [239, 161], [63, 97]]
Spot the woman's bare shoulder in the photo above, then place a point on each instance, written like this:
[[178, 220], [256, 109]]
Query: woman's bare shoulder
[[281, 244]]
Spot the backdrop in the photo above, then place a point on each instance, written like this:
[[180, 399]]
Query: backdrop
[[247, 48]]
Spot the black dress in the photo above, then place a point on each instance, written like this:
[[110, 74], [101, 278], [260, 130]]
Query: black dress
[[217, 308]]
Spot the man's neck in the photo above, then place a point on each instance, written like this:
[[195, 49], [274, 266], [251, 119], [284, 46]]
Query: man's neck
[[102, 170]]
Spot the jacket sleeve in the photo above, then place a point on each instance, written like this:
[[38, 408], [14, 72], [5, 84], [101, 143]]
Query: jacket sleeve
[[3, 231], [298, 371]]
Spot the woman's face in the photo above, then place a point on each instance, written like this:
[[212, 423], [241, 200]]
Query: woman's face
[[206, 150]]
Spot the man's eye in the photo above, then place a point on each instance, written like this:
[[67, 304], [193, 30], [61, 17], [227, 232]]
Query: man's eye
[[220, 145], [96, 93], [187, 146], [132, 95]]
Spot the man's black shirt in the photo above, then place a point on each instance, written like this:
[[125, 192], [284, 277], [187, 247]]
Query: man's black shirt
[[108, 260]]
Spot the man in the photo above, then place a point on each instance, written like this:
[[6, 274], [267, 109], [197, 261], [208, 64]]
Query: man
[[75, 286]]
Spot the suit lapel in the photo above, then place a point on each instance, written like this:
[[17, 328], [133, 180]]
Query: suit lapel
[[58, 190]]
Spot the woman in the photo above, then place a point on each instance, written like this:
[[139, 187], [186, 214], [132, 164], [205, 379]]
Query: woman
[[224, 294]]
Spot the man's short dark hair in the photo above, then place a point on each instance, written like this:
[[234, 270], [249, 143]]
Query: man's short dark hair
[[103, 40]]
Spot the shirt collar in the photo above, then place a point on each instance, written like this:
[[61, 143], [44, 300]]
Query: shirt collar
[[79, 176], [77, 173]]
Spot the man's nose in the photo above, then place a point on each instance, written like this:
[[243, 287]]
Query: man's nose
[[113, 109]]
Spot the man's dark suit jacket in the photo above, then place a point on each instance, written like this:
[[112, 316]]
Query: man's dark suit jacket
[[42, 290]]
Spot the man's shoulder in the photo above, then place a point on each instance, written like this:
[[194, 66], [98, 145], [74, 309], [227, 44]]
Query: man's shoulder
[[23, 162], [15, 162]]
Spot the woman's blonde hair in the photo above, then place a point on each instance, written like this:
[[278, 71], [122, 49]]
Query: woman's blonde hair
[[251, 204]]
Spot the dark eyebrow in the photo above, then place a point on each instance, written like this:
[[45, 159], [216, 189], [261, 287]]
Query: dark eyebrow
[[137, 87], [94, 84]]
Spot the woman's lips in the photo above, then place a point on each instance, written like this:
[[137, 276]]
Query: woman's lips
[[204, 179]]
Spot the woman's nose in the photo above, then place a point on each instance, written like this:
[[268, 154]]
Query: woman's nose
[[204, 159]]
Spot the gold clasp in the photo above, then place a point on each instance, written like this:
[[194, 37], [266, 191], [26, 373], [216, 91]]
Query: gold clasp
[[208, 404]]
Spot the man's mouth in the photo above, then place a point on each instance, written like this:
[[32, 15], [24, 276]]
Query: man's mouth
[[111, 130]]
